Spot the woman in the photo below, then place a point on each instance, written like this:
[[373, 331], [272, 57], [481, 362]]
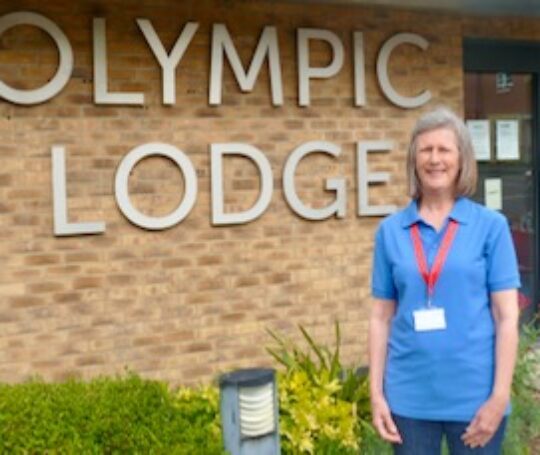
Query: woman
[[444, 324]]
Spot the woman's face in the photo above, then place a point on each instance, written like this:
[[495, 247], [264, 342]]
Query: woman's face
[[437, 161]]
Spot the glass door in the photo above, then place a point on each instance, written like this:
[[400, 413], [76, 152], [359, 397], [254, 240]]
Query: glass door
[[498, 110], [501, 110]]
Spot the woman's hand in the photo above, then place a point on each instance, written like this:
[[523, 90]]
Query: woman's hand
[[379, 328], [383, 422], [504, 306], [485, 422]]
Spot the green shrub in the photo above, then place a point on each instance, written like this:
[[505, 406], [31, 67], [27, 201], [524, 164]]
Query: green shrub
[[199, 409], [106, 415], [524, 422]]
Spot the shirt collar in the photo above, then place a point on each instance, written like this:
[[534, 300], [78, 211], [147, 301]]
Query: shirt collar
[[460, 212]]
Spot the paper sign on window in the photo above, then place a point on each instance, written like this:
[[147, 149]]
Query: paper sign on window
[[493, 193], [479, 130], [507, 139]]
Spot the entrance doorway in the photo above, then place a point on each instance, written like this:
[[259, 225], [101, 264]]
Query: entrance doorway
[[501, 85]]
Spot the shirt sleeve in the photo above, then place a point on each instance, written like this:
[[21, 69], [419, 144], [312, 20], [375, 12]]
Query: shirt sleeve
[[502, 266], [382, 283]]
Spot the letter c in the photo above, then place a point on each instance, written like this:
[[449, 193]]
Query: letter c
[[382, 70]]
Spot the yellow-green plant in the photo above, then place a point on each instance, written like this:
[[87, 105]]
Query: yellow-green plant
[[311, 412], [324, 406]]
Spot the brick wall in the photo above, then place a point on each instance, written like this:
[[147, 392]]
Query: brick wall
[[187, 303]]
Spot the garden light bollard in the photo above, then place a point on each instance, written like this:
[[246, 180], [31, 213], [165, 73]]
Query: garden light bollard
[[249, 412]]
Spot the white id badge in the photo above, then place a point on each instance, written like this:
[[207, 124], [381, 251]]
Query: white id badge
[[429, 319]]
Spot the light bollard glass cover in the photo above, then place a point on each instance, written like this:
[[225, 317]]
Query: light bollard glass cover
[[249, 412]]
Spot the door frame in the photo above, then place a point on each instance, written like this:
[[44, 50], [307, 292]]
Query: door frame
[[514, 56]]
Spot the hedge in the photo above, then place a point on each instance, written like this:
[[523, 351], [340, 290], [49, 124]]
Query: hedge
[[107, 415]]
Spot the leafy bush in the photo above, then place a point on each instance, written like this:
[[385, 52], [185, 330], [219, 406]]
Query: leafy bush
[[324, 406], [106, 415], [524, 422], [312, 416]]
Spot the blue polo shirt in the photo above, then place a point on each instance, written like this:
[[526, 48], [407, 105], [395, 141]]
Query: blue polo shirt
[[443, 374]]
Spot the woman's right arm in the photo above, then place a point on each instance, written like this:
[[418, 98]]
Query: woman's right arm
[[379, 329]]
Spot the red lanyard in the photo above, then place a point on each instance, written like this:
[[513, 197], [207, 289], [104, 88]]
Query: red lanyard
[[431, 276]]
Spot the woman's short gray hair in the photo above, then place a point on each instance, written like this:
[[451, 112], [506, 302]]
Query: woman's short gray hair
[[442, 117]]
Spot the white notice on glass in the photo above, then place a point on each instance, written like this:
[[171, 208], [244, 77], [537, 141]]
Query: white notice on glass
[[493, 193], [479, 130], [507, 139]]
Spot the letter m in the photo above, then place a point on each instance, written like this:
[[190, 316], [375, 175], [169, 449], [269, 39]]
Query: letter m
[[222, 44]]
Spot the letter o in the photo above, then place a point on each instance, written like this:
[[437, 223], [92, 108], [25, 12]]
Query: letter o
[[65, 66], [122, 178]]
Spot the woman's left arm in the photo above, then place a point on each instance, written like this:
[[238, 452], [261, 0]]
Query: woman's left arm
[[488, 418]]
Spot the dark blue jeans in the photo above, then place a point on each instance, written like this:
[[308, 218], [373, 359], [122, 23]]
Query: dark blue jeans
[[424, 437]]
